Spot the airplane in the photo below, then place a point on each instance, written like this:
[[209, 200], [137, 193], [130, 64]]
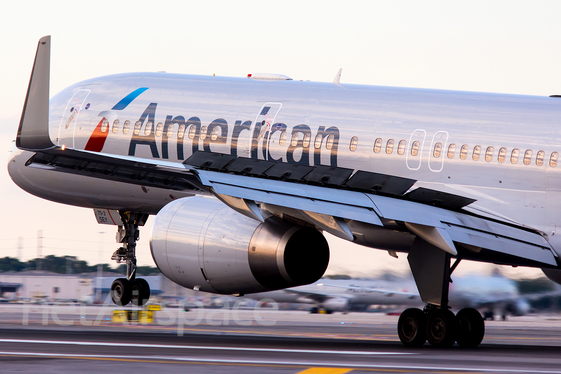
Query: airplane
[[490, 293], [439, 175]]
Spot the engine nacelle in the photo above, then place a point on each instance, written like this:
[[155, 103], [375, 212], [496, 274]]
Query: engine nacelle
[[199, 242], [336, 304]]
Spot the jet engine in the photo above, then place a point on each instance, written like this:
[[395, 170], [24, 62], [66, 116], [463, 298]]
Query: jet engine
[[338, 304], [200, 243]]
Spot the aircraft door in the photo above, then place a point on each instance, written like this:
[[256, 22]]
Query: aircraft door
[[69, 118], [415, 151], [261, 129], [437, 151]]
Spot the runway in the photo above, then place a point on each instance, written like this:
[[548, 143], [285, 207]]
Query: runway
[[296, 343]]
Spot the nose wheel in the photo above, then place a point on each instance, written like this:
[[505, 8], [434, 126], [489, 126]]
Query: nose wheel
[[129, 289], [124, 291]]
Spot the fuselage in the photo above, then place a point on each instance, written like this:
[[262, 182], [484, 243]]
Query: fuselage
[[501, 150]]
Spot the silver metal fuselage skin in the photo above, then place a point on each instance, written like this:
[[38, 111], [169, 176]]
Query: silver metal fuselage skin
[[527, 194]]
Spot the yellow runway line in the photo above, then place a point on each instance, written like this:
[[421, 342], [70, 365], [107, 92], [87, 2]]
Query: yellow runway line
[[324, 371]]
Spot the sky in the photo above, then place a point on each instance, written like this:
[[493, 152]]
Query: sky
[[489, 46]]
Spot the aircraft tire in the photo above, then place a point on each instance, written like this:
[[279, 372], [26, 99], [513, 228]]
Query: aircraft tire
[[442, 327], [140, 292], [314, 310], [411, 327], [121, 292], [471, 328]]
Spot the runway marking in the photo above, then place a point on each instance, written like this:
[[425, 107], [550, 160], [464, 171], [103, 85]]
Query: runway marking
[[218, 348], [324, 371], [346, 366]]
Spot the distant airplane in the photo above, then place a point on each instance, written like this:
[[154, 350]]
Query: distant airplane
[[245, 174], [486, 293]]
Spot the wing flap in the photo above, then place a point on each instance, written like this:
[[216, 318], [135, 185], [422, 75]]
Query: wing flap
[[343, 204]]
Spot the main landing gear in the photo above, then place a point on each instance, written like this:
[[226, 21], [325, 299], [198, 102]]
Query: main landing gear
[[440, 327], [436, 323], [129, 289]]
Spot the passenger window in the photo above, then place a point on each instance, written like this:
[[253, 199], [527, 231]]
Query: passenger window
[[317, 142], [540, 157], [159, 129], [476, 152], [489, 154], [192, 131], [137, 126], [354, 143], [148, 128], [415, 148], [464, 151], [282, 138], [451, 150], [169, 132], [329, 141], [306, 141], [126, 127], [553, 159], [115, 128], [294, 140], [214, 133], [437, 150], [203, 132], [528, 157], [389, 146], [104, 125], [181, 131], [502, 155], [401, 147], [378, 145], [514, 155]]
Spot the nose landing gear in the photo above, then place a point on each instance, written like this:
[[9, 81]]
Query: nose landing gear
[[129, 289]]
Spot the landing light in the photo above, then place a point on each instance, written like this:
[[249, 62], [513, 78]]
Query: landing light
[[63, 147]]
